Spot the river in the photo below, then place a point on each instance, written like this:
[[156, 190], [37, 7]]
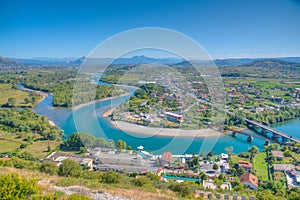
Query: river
[[89, 119]]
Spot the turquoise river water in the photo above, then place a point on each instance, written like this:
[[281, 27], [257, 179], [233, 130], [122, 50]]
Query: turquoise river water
[[89, 119]]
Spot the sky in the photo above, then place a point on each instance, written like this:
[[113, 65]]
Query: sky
[[225, 28]]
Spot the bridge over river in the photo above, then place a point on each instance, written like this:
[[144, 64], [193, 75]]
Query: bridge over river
[[276, 134], [253, 125]]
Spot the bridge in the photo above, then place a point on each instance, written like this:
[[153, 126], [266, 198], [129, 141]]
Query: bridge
[[264, 129], [250, 136], [276, 134]]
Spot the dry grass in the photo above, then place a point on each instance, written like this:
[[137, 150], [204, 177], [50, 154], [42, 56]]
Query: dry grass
[[47, 185], [6, 92]]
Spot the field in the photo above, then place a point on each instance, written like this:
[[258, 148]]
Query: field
[[6, 92], [260, 166], [9, 143], [39, 149]]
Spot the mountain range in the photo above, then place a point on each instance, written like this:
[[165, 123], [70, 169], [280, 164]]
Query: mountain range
[[15, 63]]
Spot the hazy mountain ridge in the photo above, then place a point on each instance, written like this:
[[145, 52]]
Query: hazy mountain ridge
[[8, 63]]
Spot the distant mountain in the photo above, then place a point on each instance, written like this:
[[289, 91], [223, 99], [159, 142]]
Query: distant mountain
[[272, 63], [290, 59], [44, 61], [6, 64], [243, 61], [123, 61], [234, 61], [146, 60], [67, 62]]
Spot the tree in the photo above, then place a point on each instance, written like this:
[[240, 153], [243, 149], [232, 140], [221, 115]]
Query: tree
[[287, 153], [253, 150], [229, 150], [240, 171], [12, 101], [121, 145], [27, 100], [69, 168], [238, 187], [83, 150], [222, 177], [210, 154], [215, 166]]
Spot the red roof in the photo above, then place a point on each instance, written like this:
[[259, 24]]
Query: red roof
[[235, 94], [249, 178], [5, 159], [245, 164]]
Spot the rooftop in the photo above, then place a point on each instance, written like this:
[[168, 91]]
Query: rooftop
[[284, 167], [277, 154], [249, 178], [245, 164]]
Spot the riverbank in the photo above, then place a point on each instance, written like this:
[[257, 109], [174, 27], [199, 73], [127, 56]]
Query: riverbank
[[41, 93], [108, 113], [98, 101], [164, 132]]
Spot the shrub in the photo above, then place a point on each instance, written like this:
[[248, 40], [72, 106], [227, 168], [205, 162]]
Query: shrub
[[69, 168], [49, 168], [141, 181], [111, 177], [12, 186], [183, 189]]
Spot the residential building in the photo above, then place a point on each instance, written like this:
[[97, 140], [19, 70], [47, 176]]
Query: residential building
[[277, 154], [246, 165], [249, 180], [283, 167]]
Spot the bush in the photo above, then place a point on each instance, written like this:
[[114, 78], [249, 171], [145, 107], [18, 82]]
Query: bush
[[111, 177], [49, 168], [69, 168], [12, 186], [215, 166], [153, 177], [141, 181], [183, 189]]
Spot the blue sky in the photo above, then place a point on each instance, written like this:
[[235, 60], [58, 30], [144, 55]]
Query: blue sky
[[225, 28]]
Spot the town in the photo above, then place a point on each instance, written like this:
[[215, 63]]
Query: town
[[222, 176]]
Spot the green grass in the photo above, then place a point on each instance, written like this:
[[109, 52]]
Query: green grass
[[261, 166], [9, 143], [6, 92], [235, 159], [40, 148]]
